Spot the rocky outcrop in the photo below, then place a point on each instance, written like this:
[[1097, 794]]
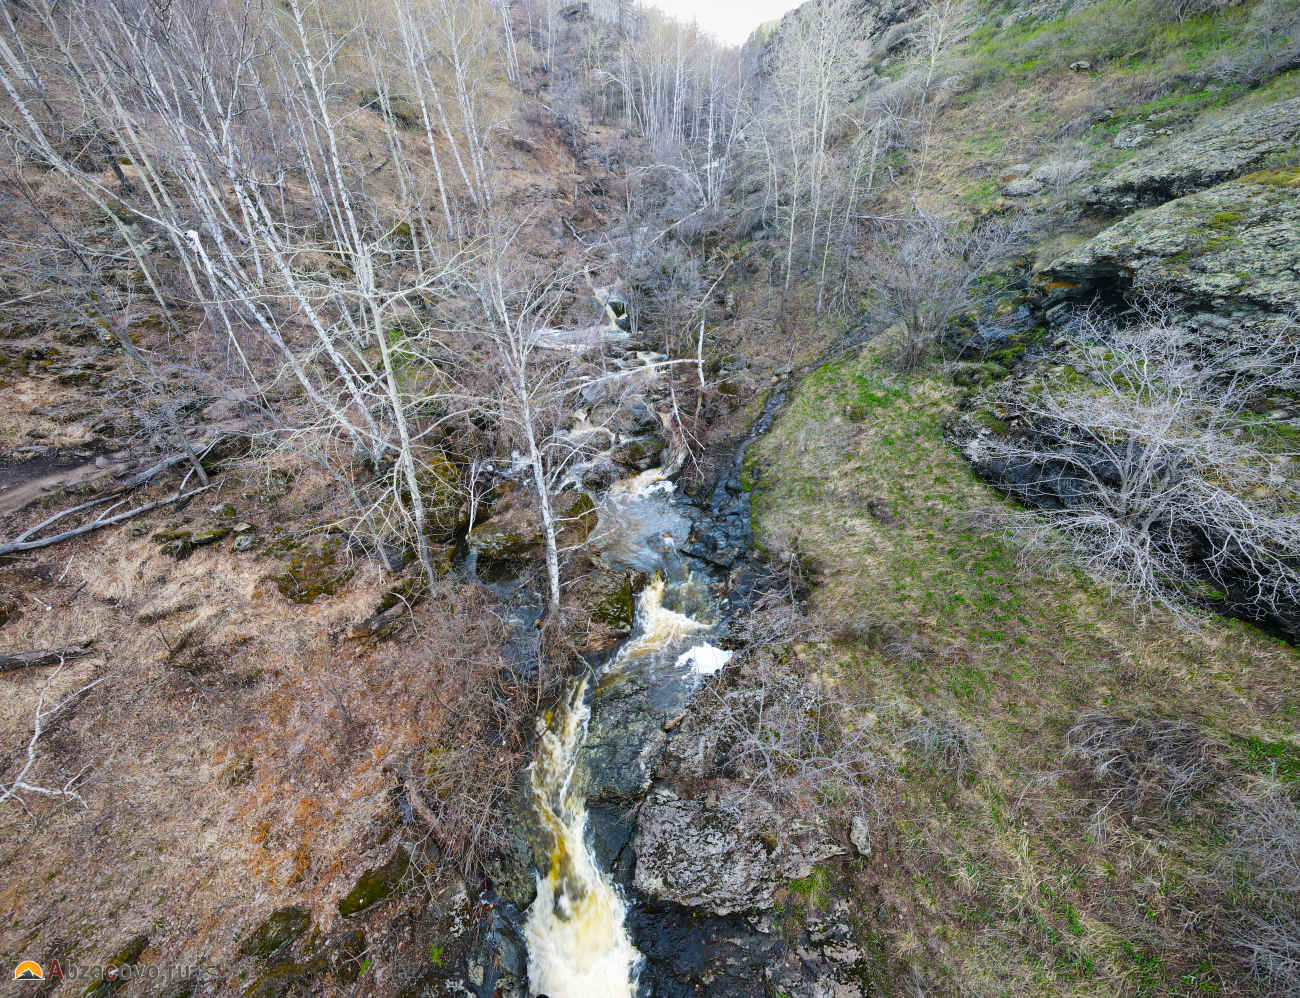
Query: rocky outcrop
[[1226, 256], [1215, 152]]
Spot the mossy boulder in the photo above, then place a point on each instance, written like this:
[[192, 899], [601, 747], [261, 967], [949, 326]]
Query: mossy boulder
[[311, 568], [606, 597], [281, 928], [511, 536], [577, 517], [209, 535], [278, 980], [343, 953], [376, 885], [640, 453]]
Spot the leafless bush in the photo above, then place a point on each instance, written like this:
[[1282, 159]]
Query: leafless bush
[[777, 615], [927, 270], [944, 743], [1271, 44], [799, 742], [1264, 912], [1146, 459], [1183, 9], [1136, 762]]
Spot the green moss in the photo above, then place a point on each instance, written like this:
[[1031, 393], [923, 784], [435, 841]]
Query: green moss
[[1283, 177], [310, 570], [408, 592], [376, 885], [616, 608], [1224, 219], [278, 981], [127, 956], [281, 928]]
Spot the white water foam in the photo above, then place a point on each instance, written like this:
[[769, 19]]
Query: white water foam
[[705, 660], [578, 946]]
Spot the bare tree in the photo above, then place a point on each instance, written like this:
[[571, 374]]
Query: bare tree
[[926, 270]]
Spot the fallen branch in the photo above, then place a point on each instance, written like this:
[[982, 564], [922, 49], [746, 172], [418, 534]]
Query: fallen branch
[[43, 714], [23, 544], [35, 659]]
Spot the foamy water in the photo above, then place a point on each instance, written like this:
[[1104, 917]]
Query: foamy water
[[705, 660], [578, 946]]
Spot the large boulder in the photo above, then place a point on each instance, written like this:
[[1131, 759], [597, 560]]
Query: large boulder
[[700, 854], [1217, 151], [1226, 256]]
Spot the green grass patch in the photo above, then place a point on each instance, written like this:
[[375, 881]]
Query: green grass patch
[[1279, 759]]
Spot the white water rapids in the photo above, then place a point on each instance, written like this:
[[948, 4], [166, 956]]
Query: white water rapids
[[578, 944]]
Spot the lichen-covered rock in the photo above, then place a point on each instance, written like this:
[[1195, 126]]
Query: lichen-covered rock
[[1215, 152], [1022, 187], [1228, 255], [703, 855]]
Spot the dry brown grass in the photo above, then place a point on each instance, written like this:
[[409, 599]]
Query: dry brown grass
[[262, 774]]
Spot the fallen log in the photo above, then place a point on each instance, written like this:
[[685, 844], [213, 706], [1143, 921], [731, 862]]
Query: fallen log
[[35, 659], [23, 544]]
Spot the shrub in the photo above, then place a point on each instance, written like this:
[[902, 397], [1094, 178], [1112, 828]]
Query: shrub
[[1263, 913], [1142, 761], [1148, 462]]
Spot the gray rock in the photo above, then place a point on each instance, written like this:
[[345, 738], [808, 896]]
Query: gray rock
[[1131, 136], [1023, 188], [1217, 151], [696, 853], [860, 836]]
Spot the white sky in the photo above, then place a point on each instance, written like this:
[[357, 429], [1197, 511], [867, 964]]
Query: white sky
[[730, 20]]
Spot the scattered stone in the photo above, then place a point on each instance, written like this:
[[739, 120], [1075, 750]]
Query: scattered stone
[[1080, 66]]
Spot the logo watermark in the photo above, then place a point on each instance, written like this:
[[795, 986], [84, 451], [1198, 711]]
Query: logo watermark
[[57, 970]]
